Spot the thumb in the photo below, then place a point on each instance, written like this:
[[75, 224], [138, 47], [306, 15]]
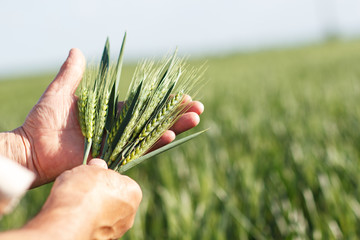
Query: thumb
[[70, 74], [98, 163]]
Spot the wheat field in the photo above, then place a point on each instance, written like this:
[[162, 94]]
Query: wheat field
[[280, 159]]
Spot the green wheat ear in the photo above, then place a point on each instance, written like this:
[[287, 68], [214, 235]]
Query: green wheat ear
[[153, 103], [100, 123], [82, 102]]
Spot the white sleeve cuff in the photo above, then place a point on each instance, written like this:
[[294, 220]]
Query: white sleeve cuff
[[14, 181]]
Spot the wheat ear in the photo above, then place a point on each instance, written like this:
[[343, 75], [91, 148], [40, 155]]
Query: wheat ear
[[163, 113], [127, 133], [90, 123], [148, 141], [111, 136], [82, 102], [153, 130], [100, 123]]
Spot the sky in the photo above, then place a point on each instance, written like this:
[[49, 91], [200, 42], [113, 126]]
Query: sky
[[36, 35]]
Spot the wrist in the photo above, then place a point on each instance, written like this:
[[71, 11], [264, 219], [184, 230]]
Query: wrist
[[15, 146]]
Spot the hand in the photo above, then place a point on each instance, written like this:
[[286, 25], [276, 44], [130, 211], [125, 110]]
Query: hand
[[51, 134], [87, 202]]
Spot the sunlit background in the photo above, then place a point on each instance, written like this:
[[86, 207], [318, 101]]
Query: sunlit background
[[36, 35], [281, 158]]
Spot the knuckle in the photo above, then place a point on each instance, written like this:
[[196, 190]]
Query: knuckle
[[133, 189]]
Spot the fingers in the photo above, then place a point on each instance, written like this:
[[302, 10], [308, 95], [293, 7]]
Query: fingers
[[166, 138], [193, 106], [185, 122], [70, 73], [133, 190], [97, 162], [120, 105], [133, 198], [122, 208], [196, 107], [189, 119]]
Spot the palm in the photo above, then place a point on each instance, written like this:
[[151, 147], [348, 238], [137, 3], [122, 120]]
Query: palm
[[54, 134]]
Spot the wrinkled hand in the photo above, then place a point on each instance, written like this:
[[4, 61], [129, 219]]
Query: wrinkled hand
[[51, 132], [88, 202]]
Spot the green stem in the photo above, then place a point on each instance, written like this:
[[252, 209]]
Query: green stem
[[106, 146], [87, 147]]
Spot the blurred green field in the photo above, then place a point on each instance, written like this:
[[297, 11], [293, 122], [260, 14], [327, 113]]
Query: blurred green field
[[280, 160]]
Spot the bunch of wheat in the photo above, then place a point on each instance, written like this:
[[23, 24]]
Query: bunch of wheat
[[154, 101]]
